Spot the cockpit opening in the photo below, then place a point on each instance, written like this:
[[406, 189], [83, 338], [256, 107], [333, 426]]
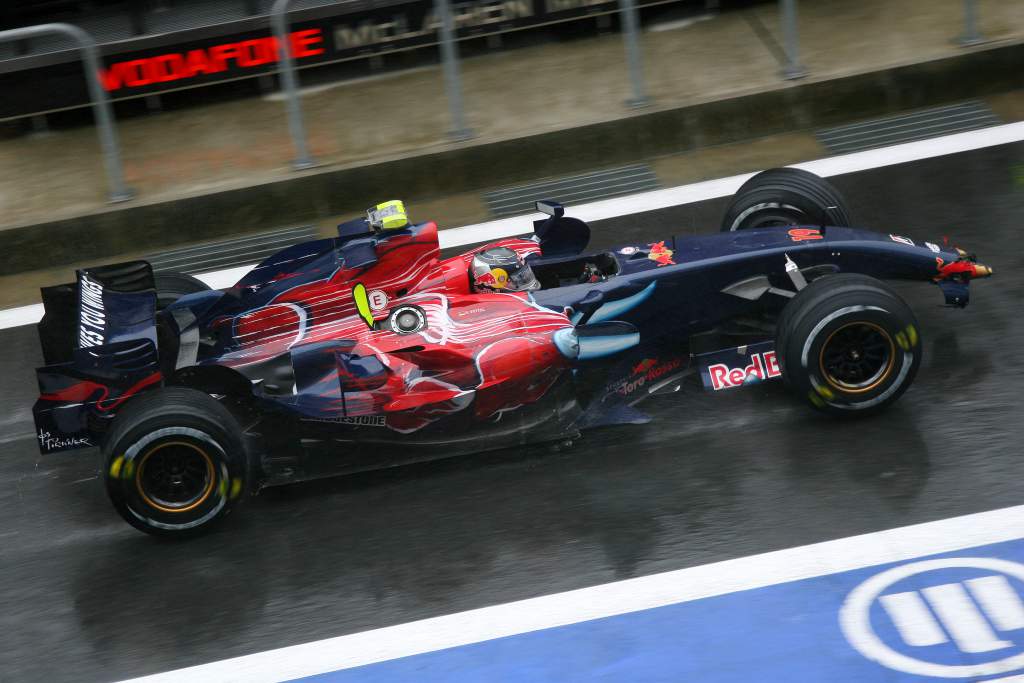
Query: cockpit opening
[[577, 270]]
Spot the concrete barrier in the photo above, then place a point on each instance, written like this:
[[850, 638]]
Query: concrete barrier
[[311, 195]]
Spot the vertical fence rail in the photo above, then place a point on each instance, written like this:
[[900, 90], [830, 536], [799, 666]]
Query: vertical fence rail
[[792, 69], [634, 60], [452, 75], [971, 35], [289, 83], [105, 126]]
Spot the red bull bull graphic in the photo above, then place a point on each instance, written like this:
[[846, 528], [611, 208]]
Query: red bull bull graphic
[[661, 254]]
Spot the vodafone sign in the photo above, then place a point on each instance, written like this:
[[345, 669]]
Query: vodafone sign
[[175, 66], [156, 64]]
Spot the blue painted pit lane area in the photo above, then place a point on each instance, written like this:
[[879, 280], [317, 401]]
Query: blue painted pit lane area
[[828, 628], [942, 600]]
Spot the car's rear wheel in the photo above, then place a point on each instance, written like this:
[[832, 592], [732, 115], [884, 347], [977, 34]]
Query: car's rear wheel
[[848, 344], [174, 462], [172, 286], [785, 196]]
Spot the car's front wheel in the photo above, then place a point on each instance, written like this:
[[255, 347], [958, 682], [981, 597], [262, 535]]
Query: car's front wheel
[[848, 344], [175, 462]]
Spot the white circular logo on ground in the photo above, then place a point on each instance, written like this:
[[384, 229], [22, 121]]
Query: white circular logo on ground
[[378, 299], [976, 617]]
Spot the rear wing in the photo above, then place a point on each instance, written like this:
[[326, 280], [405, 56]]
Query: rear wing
[[99, 343], [106, 304]]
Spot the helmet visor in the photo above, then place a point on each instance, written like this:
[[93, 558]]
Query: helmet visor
[[523, 280]]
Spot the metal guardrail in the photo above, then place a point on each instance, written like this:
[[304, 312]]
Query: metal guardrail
[[792, 69], [971, 34], [289, 82], [460, 130], [630, 33], [452, 74], [100, 103]]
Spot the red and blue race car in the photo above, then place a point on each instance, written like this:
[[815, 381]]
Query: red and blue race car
[[368, 349]]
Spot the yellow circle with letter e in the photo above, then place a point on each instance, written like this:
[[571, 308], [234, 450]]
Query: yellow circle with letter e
[[500, 278]]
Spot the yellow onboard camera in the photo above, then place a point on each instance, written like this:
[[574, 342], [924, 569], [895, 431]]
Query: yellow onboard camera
[[389, 215]]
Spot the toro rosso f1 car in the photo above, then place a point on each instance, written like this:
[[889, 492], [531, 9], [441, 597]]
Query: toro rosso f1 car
[[368, 349]]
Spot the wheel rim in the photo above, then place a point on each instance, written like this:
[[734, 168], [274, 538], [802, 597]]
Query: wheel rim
[[857, 357], [769, 215], [175, 476], [772, 221]]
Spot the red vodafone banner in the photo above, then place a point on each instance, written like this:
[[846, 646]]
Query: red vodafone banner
[[176, 66], [207, 55]]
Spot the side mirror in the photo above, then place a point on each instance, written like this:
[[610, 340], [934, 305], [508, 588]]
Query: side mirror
[[587, 306], [550, 207]]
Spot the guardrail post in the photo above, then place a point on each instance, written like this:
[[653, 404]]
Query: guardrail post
[[289, 83], [790, 40], [452, 77], [634, 60], [971, 34], [100, 102]]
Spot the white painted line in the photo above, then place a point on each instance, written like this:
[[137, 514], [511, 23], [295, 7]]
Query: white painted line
[[657, 199], [23, 315], [221, 279], [622, 597]]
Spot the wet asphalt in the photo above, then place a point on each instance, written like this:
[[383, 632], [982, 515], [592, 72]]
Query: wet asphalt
[[84, 597]]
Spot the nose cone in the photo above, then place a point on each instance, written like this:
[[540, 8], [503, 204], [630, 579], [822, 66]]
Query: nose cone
[[982, 271]]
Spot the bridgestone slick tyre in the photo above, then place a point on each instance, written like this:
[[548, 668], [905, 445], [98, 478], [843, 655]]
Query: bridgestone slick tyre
[[174, 462], [785, 196], [848, 345]]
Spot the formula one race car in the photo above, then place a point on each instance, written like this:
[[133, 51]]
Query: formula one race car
[[368, 350]]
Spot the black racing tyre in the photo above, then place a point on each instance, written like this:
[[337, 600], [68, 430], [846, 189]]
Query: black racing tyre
[[848, 344], [174, 462], [785, 196], [172, 286]]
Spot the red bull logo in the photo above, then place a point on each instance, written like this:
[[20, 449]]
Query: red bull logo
[[763, 366], [496, 278], [661, 254], [647, 370], [644, 365]]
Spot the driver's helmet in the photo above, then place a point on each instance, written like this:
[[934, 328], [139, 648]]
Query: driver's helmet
[[501, 269]]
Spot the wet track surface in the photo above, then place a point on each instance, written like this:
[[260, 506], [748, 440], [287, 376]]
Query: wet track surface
[[85, 597]]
